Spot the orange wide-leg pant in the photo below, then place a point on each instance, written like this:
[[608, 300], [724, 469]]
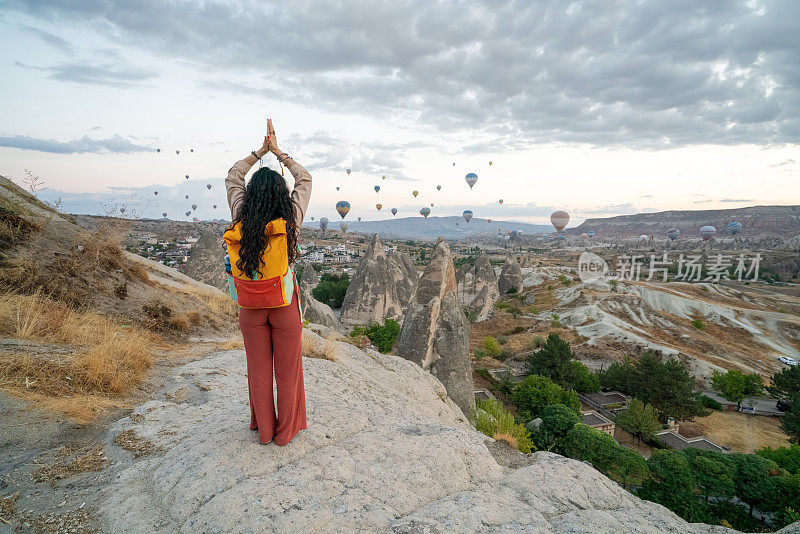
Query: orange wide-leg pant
[[272, 339]]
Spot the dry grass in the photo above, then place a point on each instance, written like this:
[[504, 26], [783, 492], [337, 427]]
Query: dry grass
[[511, 440], [70, 462], [218, 303], [134, 444], [108, 359], [8, 504], [740, 432]]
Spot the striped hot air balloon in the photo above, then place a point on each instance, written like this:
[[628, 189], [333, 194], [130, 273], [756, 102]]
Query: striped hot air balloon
[[708, 232], [343, 208], [559, 220]]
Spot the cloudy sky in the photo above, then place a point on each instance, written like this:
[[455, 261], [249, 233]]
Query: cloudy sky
[[599, 108]]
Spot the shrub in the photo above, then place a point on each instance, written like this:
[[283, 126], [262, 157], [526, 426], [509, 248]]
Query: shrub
[[484, 373], [383, 336], [502, 339], [639, 419], [516, 330], [708, 402], [479, 354], [564, 279], [585, 443], [538, 342], [555, 320], [492, 419], [491, 347], [697, 323], [121, 290]]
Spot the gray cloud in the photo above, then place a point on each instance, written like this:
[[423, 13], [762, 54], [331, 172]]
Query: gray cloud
[[115, 143], [644, 74], [51, 39], [120, 75]]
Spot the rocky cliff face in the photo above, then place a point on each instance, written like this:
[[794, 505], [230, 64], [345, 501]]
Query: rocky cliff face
[[435, 332], [207, 260], [380, 289], [385, 451], [315, 311], [510, 276]]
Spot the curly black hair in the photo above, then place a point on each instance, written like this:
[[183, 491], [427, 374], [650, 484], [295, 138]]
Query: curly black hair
[[266, 198]]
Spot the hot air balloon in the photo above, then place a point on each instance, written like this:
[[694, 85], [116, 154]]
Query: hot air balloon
[[425, 212], [348, 172], [188, 213], [489, 221], [415, 193], [490, 164], [158, 150], [195, 219], [164, 214], [383, 177], [584, 235], [456, 224], [500, 201], [312, 217], [122, 210], [186, 197], [343, 208], [323, 223], [644, 237], [359, 219], [734, 227], [673, 234], [155, 193], [559, 220], [177, 151], [454, 164], [378, 206], [337, 187], [344, 226], [471, 178], [377, 188], [215, 207], [208, 186], [591, 233], [707, 232], [187, 177], [394, 211], [438, 187], [431, 204], [467, 215]]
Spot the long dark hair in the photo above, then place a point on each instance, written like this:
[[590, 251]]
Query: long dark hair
[[266, 198]]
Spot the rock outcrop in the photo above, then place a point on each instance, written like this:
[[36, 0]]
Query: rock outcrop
[[385, 451], [484, 287], [510, 280], [207, 260], [381, 288], [315, 311], [435, 331]]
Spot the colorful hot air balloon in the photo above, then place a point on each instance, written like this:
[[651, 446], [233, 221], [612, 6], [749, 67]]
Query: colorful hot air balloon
[[471, 178], [707, 232], [348, 171], [377, 188], [359, 219], [559, 220], [489, 221], [734, 227], [343, 208], [467, 215], [155, 193], [394, 211], [644, 237], [208, 186], [673, 234], [500, 201], [415, 193], [378, 206], [591, 233], [323, 223], [584, 235], [186, 197], [344, 226], [194, 206], [164, 214], [425, 212], [438, 187]]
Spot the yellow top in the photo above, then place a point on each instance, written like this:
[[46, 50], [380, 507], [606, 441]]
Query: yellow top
[[274, 260]]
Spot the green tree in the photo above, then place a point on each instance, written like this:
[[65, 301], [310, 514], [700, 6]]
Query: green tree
[[383, 336], [492, 419], [755, 479], [735, 385], [639, 419], [332, 289], [491, 347], [666, 385], [535, 393], [556, 361], [790, 422], [715, 472], [583, 442], [787, 458], [672, 483], [785, 384]]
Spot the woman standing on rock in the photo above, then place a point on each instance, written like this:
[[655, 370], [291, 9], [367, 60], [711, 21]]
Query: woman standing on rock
[[262, 245]]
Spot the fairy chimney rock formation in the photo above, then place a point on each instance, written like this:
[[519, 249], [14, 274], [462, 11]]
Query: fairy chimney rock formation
[[483, 290], [381, 288], [315, 311], [435, 331], [510, 280]]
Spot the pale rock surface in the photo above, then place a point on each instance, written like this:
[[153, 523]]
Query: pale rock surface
[[315, 311], [510, 276], [381, 288], [385, 451], [435, 332], [483, 289]]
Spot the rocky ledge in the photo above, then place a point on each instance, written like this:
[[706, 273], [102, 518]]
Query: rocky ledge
[[386, 451]]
